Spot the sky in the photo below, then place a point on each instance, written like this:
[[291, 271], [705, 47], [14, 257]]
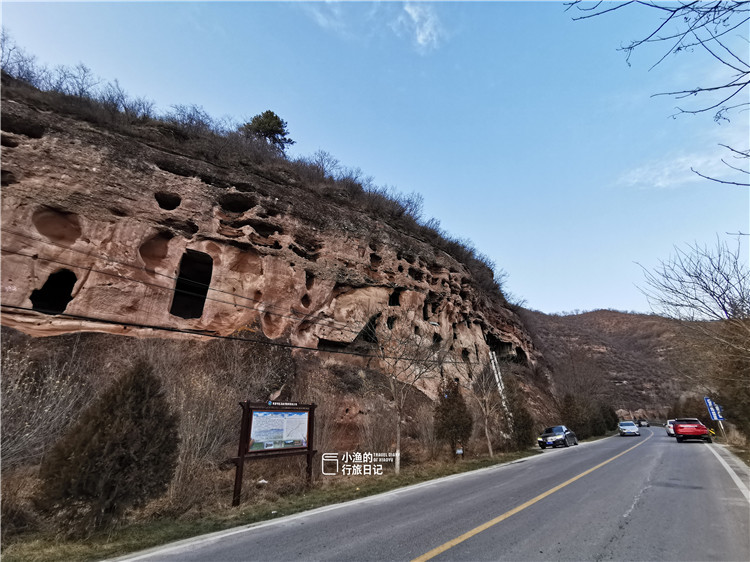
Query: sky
[[525, 132]]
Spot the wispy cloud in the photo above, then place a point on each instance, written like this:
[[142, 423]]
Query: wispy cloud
[[415, 22], [678, 168], [328, 15], [423, 25]]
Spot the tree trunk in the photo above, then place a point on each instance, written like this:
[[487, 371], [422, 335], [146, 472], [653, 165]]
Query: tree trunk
[[487, 435], [398, 443]]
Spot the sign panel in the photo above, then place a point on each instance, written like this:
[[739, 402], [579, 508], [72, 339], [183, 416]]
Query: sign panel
[[272, 430], [714, 410]]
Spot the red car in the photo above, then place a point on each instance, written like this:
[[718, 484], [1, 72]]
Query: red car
[[690, 428]]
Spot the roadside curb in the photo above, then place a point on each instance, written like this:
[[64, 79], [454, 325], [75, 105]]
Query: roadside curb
[[737, 469]]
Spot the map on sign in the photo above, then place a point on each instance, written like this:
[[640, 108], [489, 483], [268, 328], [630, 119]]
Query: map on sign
[[278, 430]]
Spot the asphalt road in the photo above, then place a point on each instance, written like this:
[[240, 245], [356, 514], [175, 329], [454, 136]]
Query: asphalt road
[[621, 498]]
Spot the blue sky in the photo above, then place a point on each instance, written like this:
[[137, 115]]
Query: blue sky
[[525, 132]]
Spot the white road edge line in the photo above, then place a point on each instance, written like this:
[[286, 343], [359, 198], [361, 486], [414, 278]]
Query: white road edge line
[[201, 540], [740, 484]]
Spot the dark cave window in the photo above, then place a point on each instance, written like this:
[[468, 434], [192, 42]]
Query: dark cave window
[[369, 332], [55, 294], [192, 285], [395, 298]]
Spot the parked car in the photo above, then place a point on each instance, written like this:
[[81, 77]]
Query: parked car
[[691, 428], [670, 428], [557, 436], [628, 428]]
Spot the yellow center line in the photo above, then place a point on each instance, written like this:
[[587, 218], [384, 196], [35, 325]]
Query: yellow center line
[[467, 535]]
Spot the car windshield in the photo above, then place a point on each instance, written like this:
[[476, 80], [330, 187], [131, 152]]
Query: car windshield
[[627, 423], [556, 429], [687, 420]]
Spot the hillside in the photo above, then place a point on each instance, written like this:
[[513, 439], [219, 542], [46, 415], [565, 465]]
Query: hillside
[[644, 360]]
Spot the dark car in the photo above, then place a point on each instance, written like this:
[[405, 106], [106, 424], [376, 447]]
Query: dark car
[[557, 436], [690, 428]]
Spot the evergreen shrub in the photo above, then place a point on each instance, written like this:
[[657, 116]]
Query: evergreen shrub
[[121, 453]]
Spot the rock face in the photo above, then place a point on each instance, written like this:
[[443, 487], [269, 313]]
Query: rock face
[[103, 231]]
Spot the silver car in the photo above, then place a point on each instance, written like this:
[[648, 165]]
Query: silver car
[[628, 428], [670, 428]]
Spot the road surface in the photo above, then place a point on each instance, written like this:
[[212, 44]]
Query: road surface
[[620, 498]]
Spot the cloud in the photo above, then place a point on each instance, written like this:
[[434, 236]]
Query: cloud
[[675, 169], [328, 15], [422, 24], [414, 21]]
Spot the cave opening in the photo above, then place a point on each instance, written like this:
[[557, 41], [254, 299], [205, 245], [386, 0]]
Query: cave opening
[[395, 298], [55, 294], [192, 284]]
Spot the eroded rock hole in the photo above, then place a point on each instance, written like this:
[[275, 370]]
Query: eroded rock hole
[[55, 294], [155, 249], [391, 322], [306, 300], [192, 285], [7, 178], [369, 332], [309, 280], [395, 298], [236, 203], [8, 142], [56, 225], [416, 274], [521, 356], [167, 201]]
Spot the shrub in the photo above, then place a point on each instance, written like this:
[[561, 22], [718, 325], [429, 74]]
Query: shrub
[[453, 423], [522, 427], [119, 454]]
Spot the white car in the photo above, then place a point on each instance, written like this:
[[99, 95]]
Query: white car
[[670, 428], [628, 428]]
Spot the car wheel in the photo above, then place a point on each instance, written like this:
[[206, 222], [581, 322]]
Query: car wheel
[[709, 440], [567, 444], [576, 441], [543, 446], [679, 439]]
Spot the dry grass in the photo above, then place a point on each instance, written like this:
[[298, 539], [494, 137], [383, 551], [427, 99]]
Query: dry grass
[[284, 494]]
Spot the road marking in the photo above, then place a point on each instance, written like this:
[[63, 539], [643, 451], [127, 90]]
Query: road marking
[[740, 484], [466, 536]]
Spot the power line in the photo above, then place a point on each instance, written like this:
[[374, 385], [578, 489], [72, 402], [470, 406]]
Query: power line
[[305, 317], [208, 334]]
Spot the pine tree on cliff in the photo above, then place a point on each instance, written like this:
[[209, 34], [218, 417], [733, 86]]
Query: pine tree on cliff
[[269, 127]]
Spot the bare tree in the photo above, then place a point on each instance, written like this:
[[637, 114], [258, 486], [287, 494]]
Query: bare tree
[[704, 285], [406, 359], [717, 28], [708, 290], [484, 389]]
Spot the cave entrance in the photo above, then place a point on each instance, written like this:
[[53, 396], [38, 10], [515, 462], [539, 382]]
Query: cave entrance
[[55, 294], [192, 284]]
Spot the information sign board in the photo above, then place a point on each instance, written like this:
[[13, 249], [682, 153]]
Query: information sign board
[[278, 429], [714, 410]]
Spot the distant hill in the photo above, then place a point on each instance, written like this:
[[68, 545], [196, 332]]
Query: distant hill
[[645, 361]]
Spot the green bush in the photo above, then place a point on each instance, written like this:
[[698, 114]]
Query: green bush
[[119, 454]]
